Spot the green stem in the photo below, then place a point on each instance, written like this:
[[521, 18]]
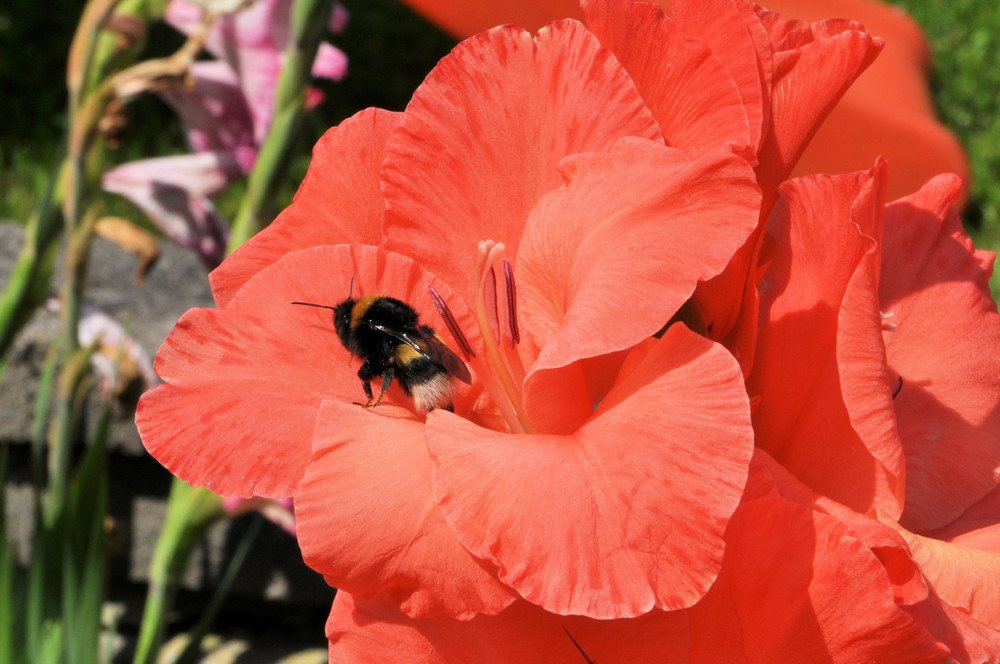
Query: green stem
[[309, 21], [28, 285], [70, 394], [190, 511], [190, 653]]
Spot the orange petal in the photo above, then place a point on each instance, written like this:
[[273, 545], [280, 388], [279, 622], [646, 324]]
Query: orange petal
[[394, 539], [622, 516], [339, 201], [943, 344], [825, 412], [695, 99], [479, 142]]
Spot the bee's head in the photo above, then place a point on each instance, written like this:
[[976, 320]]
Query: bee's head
[[342, 319]]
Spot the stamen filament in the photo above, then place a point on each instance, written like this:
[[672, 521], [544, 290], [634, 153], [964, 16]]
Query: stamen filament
[[514, 364], [512, 356], [451, 323], [508, 279], [497, 394], [488, 252], [490, 297]]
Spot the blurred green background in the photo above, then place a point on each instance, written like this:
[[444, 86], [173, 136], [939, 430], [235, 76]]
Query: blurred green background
[[391, 49]]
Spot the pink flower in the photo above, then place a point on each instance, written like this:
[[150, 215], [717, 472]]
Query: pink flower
[[252, 42], [176, 193], [227, 112]]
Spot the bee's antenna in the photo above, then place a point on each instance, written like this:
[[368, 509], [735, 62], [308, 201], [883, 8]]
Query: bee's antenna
[[350, 293], [321, 306]]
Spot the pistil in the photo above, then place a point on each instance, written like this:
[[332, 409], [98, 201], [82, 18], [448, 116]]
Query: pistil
[[501, 372]]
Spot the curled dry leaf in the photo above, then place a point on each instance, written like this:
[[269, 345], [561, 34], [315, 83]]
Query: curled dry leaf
[[132, 239]]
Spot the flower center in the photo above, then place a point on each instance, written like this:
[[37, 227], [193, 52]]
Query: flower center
[[501, 372]]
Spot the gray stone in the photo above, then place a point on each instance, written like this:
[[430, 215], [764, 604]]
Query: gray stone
[[273, 576]]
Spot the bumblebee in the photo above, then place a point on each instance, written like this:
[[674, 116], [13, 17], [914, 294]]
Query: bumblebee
[[387, 335]]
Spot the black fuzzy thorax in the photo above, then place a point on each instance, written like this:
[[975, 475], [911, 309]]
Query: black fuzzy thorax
[[377, 348]]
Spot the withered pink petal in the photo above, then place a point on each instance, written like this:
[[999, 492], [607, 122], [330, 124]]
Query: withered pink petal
[[214, 109], [174, 192]]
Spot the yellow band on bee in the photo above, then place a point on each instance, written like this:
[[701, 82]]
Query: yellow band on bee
[[361, 306], [406, 354]]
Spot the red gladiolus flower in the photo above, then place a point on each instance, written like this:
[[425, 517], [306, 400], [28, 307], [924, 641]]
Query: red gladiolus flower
[[595, 491], [590, 469]]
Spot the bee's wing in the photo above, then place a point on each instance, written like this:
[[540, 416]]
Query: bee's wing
[[453, 364], [433, 349]]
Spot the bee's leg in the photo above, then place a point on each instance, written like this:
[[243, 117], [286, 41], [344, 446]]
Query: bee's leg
[[386, 382], [366, 376]]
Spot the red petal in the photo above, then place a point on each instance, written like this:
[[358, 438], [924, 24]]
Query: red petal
[[372, 631], [602, 268], [882, 538], [962, 562], [210, 435], [825, 412], [966, 577], [971, 642], [479, 143], [393, 539], [888, 111], [944, 346], [728, 304], [814, 65], [692, 94], [978, 526], [339, 201], [627, 513], [241, 387], [734, 32], [801, 590]]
